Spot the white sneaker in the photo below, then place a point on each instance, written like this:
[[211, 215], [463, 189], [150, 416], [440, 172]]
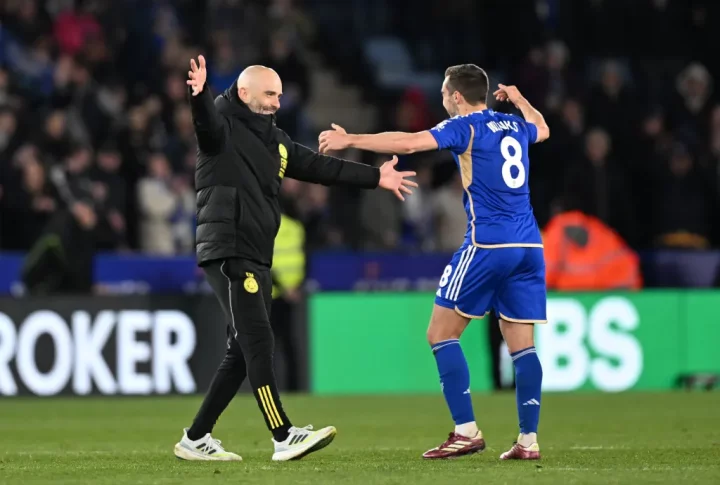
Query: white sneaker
[[303, 441], [206, 448]]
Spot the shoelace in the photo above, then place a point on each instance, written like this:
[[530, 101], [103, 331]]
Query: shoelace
[[214, 444], [297, 431]]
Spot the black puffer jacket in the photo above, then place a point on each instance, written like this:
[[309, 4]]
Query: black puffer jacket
[[242, 159]]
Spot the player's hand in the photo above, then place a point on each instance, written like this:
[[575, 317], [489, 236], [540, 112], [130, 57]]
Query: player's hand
[[335, 139], [197, 75], [508, 93], [397, 182]]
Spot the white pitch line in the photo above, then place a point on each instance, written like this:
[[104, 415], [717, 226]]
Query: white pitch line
[[593, 447], [636, 469]]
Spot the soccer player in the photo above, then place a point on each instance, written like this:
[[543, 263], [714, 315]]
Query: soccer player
[[500, 266]]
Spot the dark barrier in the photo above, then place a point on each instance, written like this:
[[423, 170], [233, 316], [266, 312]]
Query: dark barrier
[[109, 346], [342, 271]]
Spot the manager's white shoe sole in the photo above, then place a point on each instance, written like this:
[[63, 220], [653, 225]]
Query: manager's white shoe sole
[[185, 453]]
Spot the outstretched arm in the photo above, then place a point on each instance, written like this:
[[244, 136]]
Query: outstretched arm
[[388, 142], [207, 121], [309, 166]]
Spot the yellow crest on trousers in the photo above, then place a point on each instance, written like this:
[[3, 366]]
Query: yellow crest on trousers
[[251, 286]]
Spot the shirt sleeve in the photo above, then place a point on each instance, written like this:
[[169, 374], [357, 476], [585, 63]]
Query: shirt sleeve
[[452, 134], [532, 132]]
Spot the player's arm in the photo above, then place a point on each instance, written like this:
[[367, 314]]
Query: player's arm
[[207, 121], [395, 142], [452, 134], [310, 166], [531, 115]]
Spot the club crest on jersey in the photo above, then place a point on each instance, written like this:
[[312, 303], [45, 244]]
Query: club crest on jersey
[[283, 160], [250, 284]]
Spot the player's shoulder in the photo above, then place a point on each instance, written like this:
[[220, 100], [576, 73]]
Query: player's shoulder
[[496, 122], [510, 116], [455, 121], [491, 115]]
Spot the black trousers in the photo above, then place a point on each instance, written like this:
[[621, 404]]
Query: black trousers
[[244, 290], [283, 316]]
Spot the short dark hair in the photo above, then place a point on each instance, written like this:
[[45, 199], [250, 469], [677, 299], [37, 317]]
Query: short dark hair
[[470, 81]]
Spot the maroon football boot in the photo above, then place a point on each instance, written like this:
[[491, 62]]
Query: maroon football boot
[[520, 452], [457, 446]]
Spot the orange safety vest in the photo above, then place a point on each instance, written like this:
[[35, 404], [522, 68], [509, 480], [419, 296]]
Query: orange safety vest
[[605, 262]]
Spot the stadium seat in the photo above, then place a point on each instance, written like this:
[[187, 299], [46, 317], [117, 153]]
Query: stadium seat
[[393, 65]]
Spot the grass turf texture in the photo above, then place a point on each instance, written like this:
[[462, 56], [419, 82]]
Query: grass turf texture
[[585, 438]]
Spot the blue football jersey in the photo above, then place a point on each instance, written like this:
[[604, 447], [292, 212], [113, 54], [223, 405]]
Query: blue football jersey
[[491, 151]]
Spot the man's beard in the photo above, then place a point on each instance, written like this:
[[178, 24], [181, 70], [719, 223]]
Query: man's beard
[[452, 111], [256, 107]]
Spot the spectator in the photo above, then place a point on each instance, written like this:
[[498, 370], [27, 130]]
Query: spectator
[[73, 28], [684, 210], [135, 141], [613, 106], [693, 109], [418, 211], [225, 65], [381, 219], [174, 95], [284, 59], [109, 190], [246, 21], [532, 76], [9, 138], [56, 141], [27, 20], [412, 113], [561, 81], [315, 215], [27, 207], [286, 16], [61, 260], [597, 185], [450, 218], [182, 138], [164, 203]]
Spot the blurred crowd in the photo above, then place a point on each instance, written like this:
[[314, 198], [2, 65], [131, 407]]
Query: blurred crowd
[[628, 90], [95, 127], [94, 119]]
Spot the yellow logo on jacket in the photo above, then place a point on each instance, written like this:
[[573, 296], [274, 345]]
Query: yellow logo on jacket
[[250, 284], [283, 160]]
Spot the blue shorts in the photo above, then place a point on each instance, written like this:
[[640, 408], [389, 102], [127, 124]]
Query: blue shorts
[[509, 280]]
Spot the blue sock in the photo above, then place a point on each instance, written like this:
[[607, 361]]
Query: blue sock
[[528, 381], [455, 379]]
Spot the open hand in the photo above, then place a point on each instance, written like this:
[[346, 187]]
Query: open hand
[[335, 139], [397, 182], [197, 75]]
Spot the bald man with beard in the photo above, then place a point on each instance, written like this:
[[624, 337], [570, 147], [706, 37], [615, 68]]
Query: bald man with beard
[[241, 162]]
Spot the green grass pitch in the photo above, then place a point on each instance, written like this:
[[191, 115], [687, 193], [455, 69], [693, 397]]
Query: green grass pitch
[[585, 438]]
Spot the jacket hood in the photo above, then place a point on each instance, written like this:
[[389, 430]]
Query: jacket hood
[[229, 104]]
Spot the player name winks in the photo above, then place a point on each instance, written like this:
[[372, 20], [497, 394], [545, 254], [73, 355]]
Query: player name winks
[[496, 126]]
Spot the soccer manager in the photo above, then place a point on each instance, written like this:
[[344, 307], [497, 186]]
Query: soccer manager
[[242, 160]]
